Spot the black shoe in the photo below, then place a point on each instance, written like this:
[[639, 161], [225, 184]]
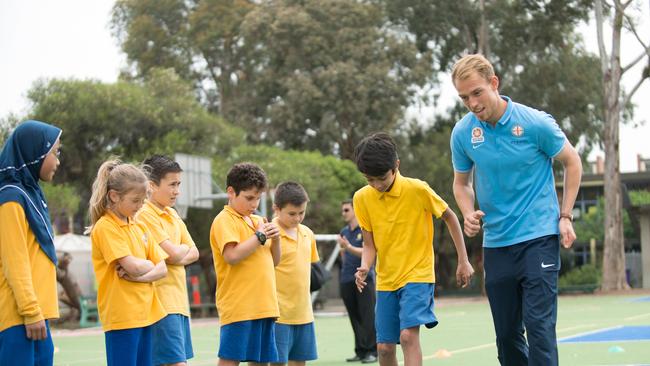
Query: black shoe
[[356, 358], [369, 359]]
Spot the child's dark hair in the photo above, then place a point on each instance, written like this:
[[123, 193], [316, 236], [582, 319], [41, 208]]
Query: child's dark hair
[[244, 176], [290, 193], [157, 166], [376, 154], [347, 201]]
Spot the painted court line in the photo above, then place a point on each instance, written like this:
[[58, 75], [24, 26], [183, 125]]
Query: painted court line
[[640, 316], [590, 332]]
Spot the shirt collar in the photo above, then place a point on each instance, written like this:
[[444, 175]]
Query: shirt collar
[[283, 232], [396, 189], [508, 112], [155, 208], [117, 220]]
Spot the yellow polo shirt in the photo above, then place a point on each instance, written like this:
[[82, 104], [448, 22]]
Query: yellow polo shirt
[[124, 304], [164, 225], [401, 223], [293, 274], [28, 292], [246, 290]]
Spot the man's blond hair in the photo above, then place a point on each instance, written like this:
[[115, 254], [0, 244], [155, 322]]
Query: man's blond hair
[[464, 67]]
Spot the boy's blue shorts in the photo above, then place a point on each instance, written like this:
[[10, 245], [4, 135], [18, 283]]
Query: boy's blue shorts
[[249, 341], [171, 340], [17, 349], [129, 347], [407, 307], [295, 342]]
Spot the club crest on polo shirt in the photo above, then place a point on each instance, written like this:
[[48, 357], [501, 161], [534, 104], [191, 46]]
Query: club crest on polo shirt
[[477, 135], [517, 131]]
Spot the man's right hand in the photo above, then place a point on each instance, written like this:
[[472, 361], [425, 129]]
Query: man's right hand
[[472, 223], [36, 331], [360, 278]]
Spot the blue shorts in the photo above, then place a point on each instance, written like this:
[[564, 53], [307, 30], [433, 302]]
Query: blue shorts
[[171, 340], [129, 347], [249, 341], [17, 349], [296, 342], [407, 307]]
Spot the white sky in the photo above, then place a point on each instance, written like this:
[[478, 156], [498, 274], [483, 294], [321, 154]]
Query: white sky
[[71, 39]]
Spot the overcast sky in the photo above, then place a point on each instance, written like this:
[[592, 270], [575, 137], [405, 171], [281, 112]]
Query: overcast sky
[[71, 39]]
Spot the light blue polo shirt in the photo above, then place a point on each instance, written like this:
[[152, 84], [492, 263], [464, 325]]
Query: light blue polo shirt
[[513, 172]]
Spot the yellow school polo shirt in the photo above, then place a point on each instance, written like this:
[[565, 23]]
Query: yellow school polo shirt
[[28, 292], [164, 225], [293, 274], [124, 304], [401, 223], [246, 290]]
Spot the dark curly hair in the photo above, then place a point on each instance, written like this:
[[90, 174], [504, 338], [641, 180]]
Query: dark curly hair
[[244, 176], [290, 193], [157, 166], [376, 154]]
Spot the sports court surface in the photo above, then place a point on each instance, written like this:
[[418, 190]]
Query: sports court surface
[[592, 330]]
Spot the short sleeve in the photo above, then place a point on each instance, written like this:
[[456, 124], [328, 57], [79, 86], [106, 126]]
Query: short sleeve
[[461, 162], [550, 137], [111, 243], [361, 212], [432, 202], [186, 238], [155, 253], [153, 224], [225, 231], [314, 248]]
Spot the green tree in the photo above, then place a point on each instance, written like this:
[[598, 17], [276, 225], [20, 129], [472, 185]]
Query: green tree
[[132, 120], [299, 74], [327, 179], [62, 201], [532, 44]]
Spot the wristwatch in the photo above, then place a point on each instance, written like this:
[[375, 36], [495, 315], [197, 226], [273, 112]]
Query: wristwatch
[[566, 216], [261, 237]]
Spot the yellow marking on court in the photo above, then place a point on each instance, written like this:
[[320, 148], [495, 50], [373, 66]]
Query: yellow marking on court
[[640, 316]]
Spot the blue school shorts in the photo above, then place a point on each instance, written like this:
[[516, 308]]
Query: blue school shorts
[[248, 341], [407, 307], [171, 340], [17, 349], [129, 347], [295, 342]]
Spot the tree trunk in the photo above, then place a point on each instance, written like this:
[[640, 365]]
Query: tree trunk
[[614, 251]]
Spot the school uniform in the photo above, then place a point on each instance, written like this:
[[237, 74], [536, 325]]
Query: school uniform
[[246, 292], [401, 222], [28, 289], [172, 341], [295, 335], [126, 308]]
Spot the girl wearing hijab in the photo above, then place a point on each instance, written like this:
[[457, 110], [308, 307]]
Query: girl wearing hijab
[[28, 290]]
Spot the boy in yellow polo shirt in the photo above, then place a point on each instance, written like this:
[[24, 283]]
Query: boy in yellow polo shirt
[[294, 331], [28, 293], [396, 217], [172, 342], [244, 261], [127, 262]]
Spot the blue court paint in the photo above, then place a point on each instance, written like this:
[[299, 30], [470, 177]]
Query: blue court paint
[[641, 299], [617, 334]]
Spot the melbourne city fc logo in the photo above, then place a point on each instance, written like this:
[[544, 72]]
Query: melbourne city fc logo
[[517, 131], [477, 135]]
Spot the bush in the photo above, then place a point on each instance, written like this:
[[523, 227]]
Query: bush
[[584, 275]]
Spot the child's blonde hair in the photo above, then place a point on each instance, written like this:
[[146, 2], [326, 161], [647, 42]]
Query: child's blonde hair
[[113, 175], [472, 63]]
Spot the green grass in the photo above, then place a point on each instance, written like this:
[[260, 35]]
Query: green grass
[[465, 330]]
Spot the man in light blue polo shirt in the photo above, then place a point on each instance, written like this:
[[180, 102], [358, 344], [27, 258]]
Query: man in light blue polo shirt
[[510, 148]]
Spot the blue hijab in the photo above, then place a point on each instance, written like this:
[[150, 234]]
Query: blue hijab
[[20, 165]]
